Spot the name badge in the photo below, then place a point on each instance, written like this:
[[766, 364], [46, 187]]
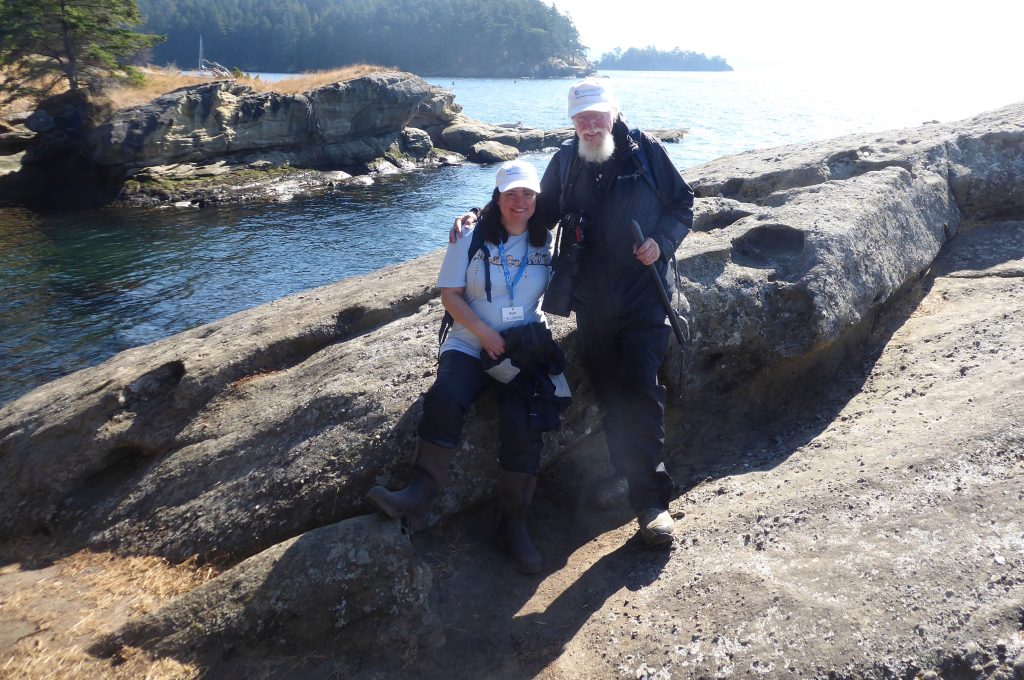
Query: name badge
[[509, 314]]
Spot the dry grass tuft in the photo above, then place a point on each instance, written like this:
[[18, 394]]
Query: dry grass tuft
[[156, 81], [82, 597], [151, 581], [161, 80], [75, 663], [442, 562], [314, 79]]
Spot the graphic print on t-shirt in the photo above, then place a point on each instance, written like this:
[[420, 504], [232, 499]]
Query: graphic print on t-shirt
[[536, 258]]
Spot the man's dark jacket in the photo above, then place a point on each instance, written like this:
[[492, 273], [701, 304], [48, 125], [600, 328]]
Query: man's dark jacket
[[612, 281]]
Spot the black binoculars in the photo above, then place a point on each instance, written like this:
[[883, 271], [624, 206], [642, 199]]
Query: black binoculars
[[568, 256]]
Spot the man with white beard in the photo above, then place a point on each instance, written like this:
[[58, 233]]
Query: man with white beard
[[595, 185]]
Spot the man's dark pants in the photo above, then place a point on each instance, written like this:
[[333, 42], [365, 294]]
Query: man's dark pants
[[622, 354]]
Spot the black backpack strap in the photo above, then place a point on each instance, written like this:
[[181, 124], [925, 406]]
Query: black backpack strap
[[442, 333], [643, 165], [568, 160], [487, 271]]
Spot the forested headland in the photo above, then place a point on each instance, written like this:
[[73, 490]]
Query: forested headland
[[428, 37], [652, 59]]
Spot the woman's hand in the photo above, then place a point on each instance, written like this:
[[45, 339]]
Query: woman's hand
[[462, 225], [492, 341], [454, 301]]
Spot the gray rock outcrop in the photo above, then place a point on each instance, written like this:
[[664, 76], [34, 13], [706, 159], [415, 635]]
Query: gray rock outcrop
[[464, 135], [492, 152], [416, 141], [463, 132], [334, 590], [342, 124], [821, 234], [15, 137], [161, 153]]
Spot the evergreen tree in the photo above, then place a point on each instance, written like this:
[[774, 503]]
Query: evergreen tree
[[81, 42], [653, 59], [436, 37]]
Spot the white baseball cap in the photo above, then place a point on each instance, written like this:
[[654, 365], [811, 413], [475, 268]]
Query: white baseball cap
[[590, 94], [516, 174]]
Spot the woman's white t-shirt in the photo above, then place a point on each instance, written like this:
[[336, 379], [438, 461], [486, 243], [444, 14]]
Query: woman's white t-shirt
[[528, 290]]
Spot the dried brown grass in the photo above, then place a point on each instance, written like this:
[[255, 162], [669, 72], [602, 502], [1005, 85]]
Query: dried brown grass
[[161, 80], [158, 81], [75, 664], [314, 79], [78, 599], [25, 103]]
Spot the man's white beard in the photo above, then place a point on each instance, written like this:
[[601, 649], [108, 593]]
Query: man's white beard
[[599, 152]]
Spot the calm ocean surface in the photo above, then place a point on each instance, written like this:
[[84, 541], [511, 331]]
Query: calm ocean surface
[[77, 288]]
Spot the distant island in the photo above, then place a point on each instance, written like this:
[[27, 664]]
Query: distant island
[[651, 59], [491, 38]]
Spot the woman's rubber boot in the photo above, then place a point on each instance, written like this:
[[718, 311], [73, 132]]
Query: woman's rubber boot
[[430, 473], [515, 493]]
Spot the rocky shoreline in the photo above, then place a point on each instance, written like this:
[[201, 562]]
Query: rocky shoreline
[[221, 143], [841, 519]]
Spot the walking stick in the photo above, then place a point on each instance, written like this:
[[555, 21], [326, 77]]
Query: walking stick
[[673, 318]]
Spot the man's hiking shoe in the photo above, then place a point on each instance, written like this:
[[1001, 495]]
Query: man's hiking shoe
[[655, 527]]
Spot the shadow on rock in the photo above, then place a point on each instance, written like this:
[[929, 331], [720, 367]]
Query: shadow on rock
[[496, 622], [540, 637], [995, 248]]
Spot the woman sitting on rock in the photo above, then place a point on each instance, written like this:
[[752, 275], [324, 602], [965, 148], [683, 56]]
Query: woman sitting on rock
[[509, 261]]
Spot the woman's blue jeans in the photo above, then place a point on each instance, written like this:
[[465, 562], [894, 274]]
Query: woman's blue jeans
[[460, 382]]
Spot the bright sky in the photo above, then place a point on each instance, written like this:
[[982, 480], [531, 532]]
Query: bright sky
[[957, 36]]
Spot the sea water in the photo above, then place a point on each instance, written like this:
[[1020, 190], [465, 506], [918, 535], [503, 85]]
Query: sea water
[[77, 288]]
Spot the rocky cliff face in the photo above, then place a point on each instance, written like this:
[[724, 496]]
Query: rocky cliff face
[[163, 151], [342, 124], [228, 439]]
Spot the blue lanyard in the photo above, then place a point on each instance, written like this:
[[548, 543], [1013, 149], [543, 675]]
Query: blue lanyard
[[509, 281]]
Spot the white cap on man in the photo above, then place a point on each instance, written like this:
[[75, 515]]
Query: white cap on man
[[590, 94], [516, 174]]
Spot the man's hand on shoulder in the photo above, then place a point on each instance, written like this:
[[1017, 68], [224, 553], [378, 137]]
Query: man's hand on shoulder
[[462, 225]]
